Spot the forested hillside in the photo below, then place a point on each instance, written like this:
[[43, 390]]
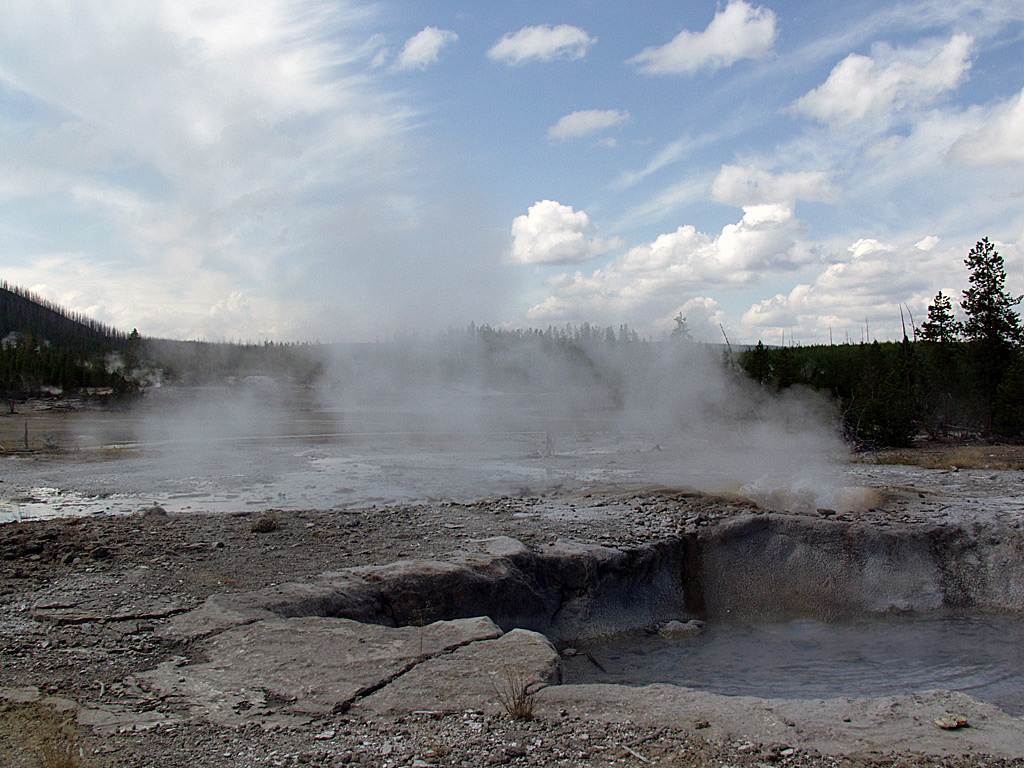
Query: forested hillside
[[24, 313], [45, 349]]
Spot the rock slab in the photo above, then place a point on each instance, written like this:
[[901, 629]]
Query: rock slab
[[289, 669]]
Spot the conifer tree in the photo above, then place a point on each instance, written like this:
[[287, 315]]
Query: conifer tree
[[992, 329], [940, 327], [987, 305]]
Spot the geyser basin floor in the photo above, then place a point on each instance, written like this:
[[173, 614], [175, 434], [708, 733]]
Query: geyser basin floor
[[808, 659], [215, 456], [82, 600]]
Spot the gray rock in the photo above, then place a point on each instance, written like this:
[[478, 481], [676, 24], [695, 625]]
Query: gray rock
[[103, 605], [569, 591], [474, 677], [308, 665], [674, 629]]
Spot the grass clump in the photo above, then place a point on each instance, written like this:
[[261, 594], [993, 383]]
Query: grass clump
[[62, 751], [266, 523], [515, 695], [35, 736], [996, 457]]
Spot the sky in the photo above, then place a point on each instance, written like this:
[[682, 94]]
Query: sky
[[337, 170]]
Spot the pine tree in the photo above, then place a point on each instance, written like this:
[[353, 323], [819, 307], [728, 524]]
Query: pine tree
[[940, 327], [757, 364], [987, 305], [992, 327], [681, 331]]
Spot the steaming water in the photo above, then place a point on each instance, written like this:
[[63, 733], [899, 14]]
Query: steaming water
[[979, 655], [259, 446], [224, 449], [318, 462]]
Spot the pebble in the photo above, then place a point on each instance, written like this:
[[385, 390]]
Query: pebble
[[418, 741], [951, 722]]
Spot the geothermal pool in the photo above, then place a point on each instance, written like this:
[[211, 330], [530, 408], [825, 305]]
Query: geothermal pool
[[224, 451], [982, 655]]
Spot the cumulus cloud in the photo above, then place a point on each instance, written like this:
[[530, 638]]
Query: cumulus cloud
[[424, 48], [763, 240], [890, 80], [740, 31], [541, 43], [742, 186], [1001, 140], [585, 122], [867, 287], [552, 233], [649, 277]]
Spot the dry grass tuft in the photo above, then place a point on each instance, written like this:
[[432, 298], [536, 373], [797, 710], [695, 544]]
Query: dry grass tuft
[[266, 523], [514, 694], [35, 736], [998, 457], [438, 750], [61, 750]]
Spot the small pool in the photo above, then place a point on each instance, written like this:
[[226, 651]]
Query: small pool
[[982, 655]]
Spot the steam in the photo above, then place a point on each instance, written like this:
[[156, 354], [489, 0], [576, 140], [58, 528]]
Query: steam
[[667, 413], [464, 416]]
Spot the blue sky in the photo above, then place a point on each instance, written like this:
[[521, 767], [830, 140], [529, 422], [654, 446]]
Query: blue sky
[[298, 169]]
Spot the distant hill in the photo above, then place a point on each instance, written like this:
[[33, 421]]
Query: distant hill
[[47, 350], [24, 313]]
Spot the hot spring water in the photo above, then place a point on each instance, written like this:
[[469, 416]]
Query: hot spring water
[[981, 655]]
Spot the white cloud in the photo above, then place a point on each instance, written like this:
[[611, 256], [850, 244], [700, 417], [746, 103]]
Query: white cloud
[[1000, 140], [541, 43], [763, 240], [647, 278], [890, 80], [423, 49], [584, 122], [742, 186], [869, 286], [868, 245], [552, 233], [740, 31], [197, 150]]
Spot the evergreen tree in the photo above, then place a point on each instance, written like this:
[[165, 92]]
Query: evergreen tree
[[757, 363], [940, 327], [992, 329], [989, 308], [681, 331]]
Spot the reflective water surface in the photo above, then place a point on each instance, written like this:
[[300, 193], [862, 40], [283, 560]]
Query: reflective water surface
[[982, 655]]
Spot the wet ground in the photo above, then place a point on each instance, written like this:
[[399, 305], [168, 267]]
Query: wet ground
[[232, 451], [206, 458]]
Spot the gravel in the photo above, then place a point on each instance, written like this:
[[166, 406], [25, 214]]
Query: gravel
[[123, 577]]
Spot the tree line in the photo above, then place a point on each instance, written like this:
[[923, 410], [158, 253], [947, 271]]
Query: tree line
[[952, 379], [47, 349], [23, 312], [949, 379], [29, 369]]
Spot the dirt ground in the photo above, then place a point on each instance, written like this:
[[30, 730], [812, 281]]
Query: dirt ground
[[939, 456], [154, 565]]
